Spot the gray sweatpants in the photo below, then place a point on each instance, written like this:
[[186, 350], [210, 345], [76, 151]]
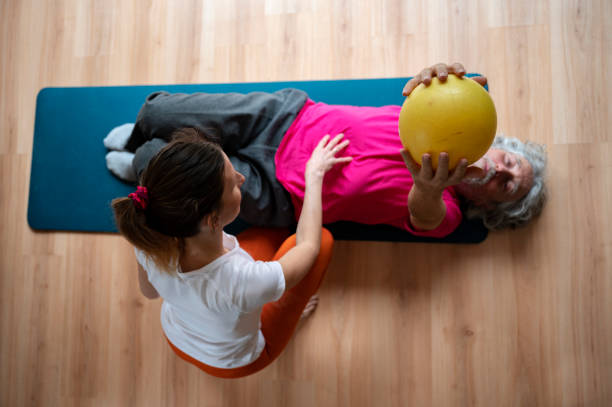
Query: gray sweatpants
[[249, 128]]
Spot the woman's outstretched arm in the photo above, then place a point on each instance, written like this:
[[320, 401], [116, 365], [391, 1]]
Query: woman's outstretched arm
[[297, 262]]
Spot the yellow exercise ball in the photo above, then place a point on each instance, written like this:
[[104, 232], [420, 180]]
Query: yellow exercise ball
[[457, 117]]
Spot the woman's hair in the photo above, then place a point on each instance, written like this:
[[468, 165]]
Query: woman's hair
[[517, 213], [184, 183]]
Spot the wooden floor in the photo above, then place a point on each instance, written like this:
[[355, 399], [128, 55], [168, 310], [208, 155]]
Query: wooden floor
[[523, 319]]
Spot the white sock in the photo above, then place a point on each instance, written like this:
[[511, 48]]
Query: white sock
[[120, 164], [118, 137]]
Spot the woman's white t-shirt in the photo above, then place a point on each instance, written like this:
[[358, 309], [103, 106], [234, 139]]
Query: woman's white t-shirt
[[213, 313]]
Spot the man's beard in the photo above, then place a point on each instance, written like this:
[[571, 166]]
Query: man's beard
[[481, 181]]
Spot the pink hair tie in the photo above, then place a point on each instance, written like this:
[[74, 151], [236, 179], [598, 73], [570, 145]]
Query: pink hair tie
[[140, 197]]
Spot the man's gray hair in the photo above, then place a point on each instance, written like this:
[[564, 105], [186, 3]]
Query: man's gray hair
[[517, 213]]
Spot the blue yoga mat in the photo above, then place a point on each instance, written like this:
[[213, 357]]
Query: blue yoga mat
[[71, 188]]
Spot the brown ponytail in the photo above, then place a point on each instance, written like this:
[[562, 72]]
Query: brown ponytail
[[132, 224], [184, 183]]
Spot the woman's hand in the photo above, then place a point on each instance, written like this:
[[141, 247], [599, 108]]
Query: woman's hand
[[298, 260], [430, 182], [440, 70], [323, 157]]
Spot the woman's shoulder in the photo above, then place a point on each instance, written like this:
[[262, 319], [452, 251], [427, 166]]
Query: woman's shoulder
[[143, 258], [149, 265], [240, 260]]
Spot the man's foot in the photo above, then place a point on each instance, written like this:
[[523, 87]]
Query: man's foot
[[311, 306], [118, 137], [120, 164]]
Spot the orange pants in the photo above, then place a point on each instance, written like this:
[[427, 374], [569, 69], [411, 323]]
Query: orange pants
[[278, 319]]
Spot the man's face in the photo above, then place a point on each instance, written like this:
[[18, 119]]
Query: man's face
[[506, 177]]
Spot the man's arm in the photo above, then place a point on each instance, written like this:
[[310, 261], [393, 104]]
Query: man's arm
[[426, 211], [442, 71], [425, 203]]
